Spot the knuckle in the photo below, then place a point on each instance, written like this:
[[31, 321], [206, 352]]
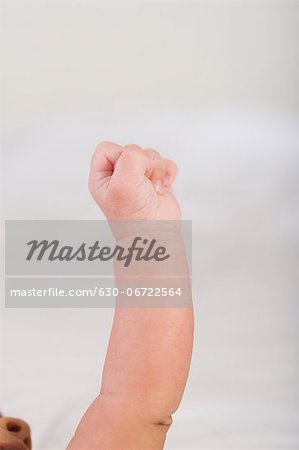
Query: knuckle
[[171, 164], [132, 147], [133, 154], [103, 145], [101, 148], [153, 154]]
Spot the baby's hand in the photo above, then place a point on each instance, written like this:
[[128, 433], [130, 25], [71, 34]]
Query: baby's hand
[[129, 183]]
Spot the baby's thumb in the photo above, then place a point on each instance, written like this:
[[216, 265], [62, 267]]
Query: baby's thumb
[[130, 168]]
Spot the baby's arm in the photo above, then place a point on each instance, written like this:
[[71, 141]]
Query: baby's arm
[[149, 351]]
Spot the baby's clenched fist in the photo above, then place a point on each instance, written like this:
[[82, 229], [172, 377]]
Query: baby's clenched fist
[[129, 183]]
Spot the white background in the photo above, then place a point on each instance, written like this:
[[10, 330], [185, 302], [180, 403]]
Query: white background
[[211, 85]]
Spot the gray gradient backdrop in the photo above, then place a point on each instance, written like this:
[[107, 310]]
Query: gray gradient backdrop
[[213, 86]]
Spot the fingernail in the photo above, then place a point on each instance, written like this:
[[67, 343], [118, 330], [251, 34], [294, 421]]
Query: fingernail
[[158, 186]]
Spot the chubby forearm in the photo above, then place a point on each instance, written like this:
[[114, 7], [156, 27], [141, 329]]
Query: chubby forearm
[[150, 347], [147, 360]]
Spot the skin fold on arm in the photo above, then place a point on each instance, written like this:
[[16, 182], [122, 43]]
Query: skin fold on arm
[[149, 351]]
